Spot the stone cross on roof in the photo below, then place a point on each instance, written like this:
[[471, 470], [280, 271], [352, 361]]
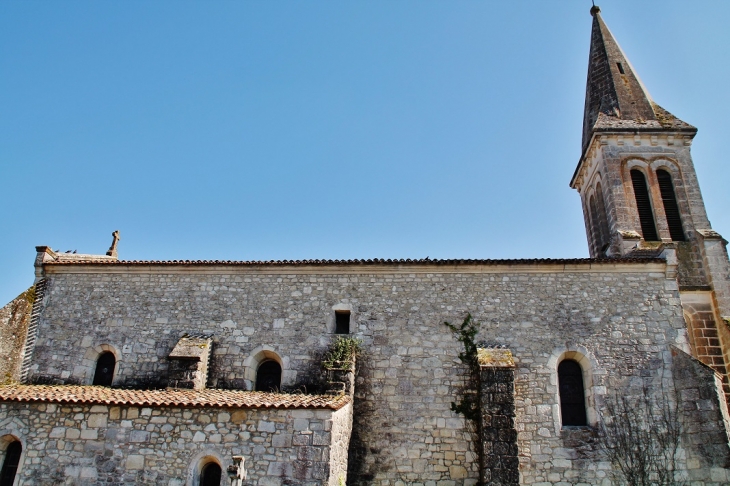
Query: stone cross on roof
[[112, 252]]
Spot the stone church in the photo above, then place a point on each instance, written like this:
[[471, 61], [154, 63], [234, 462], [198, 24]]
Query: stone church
[[314, 372]]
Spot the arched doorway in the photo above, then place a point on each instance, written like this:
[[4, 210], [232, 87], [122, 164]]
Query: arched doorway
[[11, 463], [210, 474]]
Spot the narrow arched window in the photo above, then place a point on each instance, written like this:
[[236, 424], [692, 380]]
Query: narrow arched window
[[643, 205], [210, 474], [602, 219], [268, 376], [11, 463], [572, 393], [671, 209], [595, 226], [104, 374]]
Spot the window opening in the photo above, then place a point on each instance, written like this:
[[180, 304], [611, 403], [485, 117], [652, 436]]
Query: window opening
[[268, 376], [342, 322], [620, 68], [11, 463], [671, 209], [210, 475], [643, 204], [595, 226], [602, 221], [104, 374], [572, 394]]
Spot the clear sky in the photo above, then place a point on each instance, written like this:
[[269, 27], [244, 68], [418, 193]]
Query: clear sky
[[309, 129]]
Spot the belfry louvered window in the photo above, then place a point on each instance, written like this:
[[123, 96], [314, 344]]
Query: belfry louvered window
[[643, 205], [671, 209]]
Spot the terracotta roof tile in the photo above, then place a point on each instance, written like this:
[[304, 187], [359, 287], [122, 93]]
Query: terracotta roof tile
[[168, 397], [374, 261]]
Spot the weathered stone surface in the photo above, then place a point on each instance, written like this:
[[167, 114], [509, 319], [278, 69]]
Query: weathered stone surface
[[14, 321], [127, 448], [620, 317]]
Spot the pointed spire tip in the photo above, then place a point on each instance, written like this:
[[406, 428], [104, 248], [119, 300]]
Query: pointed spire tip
[[595, 9]]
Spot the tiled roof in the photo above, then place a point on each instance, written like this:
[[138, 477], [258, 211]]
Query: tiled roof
[[168, 397], [374, 261]]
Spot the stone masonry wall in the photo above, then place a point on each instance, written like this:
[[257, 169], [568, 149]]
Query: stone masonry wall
[[619, 317], [704, 339], [705, 418], [89, 445]]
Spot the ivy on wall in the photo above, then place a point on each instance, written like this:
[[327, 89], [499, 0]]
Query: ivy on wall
[[468, 400]]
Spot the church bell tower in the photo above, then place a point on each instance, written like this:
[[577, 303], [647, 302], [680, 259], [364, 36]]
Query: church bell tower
[[640, 193]]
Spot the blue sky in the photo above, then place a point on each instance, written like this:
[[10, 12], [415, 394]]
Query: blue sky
[[294, 130]]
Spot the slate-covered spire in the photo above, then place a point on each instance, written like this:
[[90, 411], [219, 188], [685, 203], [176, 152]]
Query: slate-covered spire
[[615, 96]]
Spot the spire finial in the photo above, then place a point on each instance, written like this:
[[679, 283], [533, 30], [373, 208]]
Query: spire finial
[[595, 8]]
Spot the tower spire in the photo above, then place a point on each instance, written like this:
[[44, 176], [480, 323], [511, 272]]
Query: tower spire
[[615, 96]]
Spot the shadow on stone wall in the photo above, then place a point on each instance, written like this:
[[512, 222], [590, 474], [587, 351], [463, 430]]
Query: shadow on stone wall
[[360, 471], [704, 413]]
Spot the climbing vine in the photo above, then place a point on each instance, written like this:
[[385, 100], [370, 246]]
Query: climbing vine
[[469, 402]]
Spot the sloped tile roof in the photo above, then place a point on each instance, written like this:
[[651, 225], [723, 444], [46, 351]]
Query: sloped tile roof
[[168, 397], [373, 261]]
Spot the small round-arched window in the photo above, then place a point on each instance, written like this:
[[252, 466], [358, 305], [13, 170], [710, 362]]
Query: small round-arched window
[[11, 463], [268, 376], [104, 374], [572, 393], [210, 474]]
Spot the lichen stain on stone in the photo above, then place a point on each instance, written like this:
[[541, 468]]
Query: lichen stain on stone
[[495, 358]]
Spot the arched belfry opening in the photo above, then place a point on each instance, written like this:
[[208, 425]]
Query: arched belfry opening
[[643, 205], [671, 208]]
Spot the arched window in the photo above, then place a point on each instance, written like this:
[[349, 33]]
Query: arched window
[[643, 205], [11, 463], [104, 374], [602, 220], [595, 226], [572, 394], [671, 209], [268, 376], [210, 474]]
